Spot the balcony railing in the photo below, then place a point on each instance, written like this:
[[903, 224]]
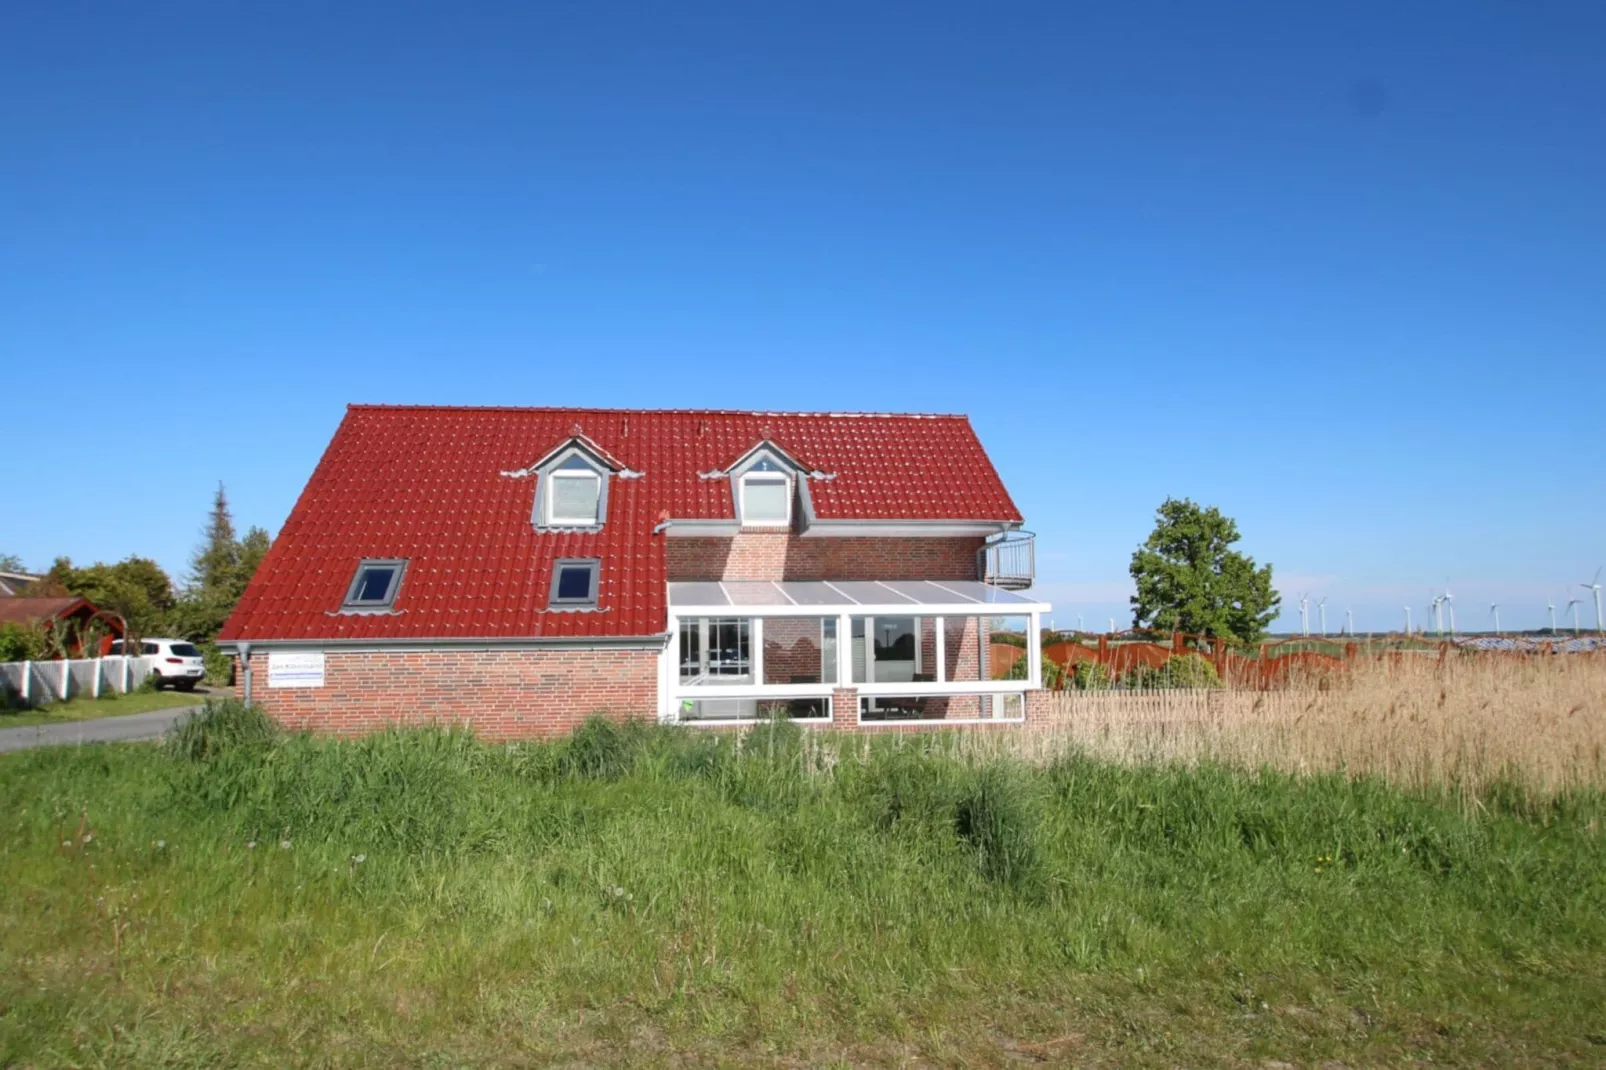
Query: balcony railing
[[1008, 561]]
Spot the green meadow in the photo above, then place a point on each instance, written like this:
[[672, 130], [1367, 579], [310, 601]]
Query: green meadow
[[643, 895]]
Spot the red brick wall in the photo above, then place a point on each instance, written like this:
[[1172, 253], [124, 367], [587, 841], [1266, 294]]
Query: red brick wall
[[778, 555], [845, 705], [502, 694]]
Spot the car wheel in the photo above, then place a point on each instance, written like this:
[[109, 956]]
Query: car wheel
[[185, 685], [156, 680]]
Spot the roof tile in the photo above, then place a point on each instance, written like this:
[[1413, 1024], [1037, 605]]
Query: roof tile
[[427, 484]]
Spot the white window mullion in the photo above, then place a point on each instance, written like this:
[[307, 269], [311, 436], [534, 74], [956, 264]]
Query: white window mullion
[[1034, 651], [942, 649], [756, 655], [844, 650]]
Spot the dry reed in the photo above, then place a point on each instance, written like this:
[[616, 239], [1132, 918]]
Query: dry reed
[[1464, 723]]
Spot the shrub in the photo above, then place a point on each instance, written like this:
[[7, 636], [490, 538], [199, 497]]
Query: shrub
[[221, 726], [219, 666], [1143, 678], [1053, 675], [18, 642], [1090, 676], [1190, 670]]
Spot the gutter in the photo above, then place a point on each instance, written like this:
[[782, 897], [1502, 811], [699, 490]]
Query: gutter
[[426, 643], [823, 528]]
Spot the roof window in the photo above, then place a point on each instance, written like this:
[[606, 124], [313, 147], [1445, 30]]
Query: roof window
[[375, 585], [574, 583]]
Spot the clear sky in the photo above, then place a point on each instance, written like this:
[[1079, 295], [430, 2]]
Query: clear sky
[[1337, 269]]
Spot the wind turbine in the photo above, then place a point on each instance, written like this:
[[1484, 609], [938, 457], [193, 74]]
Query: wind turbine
[[1573, 605], [1552, 607], [1321, 608], [1079, 622], [1449, 604], [1593, 586], [1349, 622], [1304, 616], [1407, 620], [1437, 606], [1494, 608]]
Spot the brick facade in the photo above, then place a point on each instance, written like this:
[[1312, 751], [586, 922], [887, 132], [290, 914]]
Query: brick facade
[[506, 694], [780, 555], [503, 694]]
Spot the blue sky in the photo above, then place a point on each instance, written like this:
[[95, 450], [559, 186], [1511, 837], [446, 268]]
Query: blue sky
[[1339, 272]]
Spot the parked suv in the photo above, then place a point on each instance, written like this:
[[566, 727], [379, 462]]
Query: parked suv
[[178, 662]]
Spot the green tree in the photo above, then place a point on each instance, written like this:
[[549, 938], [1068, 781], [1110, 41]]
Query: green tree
[[219, 571], [135, 588], [216, 562], [1190, 580], [11, 563], [253, 548]]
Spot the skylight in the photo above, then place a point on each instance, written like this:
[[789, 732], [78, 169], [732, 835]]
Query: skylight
[[375, 585], [574, 582]]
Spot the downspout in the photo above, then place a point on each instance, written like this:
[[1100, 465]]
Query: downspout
[[245, 658]]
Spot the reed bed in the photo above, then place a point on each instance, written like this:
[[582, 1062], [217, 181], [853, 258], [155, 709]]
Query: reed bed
[[1470, 724]]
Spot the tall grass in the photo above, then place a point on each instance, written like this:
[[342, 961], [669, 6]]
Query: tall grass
[[645, 894], [1473, 724]]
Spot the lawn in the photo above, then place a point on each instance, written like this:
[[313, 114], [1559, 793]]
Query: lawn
[[648, 895], [112, 705]]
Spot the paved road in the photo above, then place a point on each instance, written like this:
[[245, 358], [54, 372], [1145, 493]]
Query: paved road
[[134, 726]]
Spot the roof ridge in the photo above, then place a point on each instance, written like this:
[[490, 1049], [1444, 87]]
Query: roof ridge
[[379, 406]]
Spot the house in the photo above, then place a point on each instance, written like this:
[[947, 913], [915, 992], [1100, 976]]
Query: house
[[79, 612], [518, 569], [15, 584]]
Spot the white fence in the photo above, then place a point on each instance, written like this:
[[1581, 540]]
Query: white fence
[[39, 683]]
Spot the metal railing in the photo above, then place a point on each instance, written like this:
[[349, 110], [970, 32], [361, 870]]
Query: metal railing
[[1008, 560]]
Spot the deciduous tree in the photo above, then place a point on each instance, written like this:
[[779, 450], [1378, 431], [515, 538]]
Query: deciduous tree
[[1189, 579], [135, 588]]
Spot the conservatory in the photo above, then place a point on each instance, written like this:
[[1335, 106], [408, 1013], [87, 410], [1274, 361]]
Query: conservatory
[[908, 652]]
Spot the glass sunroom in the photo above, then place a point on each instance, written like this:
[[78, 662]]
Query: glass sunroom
[[915, 651]]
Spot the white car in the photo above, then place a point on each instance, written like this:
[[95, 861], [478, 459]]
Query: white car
[[178, 662]]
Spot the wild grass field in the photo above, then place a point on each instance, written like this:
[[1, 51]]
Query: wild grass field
[[1097, 894]]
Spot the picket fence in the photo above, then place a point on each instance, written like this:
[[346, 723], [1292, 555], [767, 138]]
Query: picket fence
[[39, 683]]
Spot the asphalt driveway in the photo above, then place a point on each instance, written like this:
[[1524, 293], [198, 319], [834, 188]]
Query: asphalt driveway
[[134, 726]]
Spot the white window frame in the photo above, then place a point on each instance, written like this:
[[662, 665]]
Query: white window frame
[[785, 481], [552, 517], [671, 691]]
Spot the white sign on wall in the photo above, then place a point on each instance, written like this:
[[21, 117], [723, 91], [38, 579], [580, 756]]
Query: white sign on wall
[[295, 670]]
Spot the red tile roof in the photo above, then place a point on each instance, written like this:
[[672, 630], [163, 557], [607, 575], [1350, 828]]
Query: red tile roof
[[432, 485]]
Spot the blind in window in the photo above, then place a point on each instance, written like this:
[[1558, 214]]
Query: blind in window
[[574, 498], [765, 502]]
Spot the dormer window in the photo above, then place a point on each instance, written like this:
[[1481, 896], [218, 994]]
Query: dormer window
[[574, 499], [766, 497], [573, 494]]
